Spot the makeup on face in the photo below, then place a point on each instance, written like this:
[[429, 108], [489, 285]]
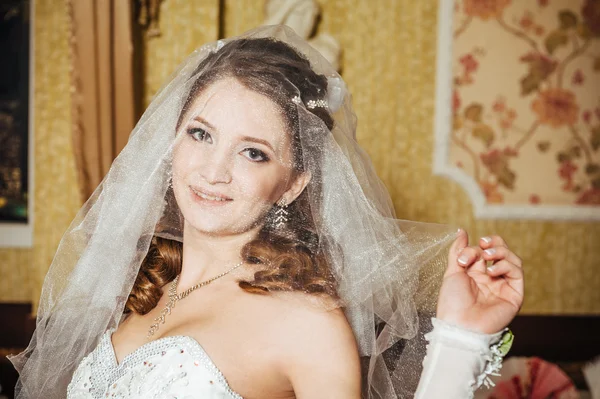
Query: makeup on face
[[234, 162]]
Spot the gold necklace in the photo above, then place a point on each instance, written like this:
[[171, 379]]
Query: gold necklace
[[174, 297]]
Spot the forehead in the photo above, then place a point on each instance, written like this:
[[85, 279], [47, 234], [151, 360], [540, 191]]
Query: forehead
[[234, 109]]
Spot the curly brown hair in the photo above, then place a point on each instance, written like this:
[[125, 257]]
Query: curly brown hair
[[289, 259]]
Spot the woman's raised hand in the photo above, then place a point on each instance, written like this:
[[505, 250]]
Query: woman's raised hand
[[476, 296]]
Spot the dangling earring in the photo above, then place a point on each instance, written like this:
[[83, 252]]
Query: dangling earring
[[281, 214]]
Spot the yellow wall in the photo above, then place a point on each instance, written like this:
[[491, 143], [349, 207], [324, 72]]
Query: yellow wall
[[55, 186], [389, 65]]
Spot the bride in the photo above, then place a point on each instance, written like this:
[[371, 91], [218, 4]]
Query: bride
[[242, 246]]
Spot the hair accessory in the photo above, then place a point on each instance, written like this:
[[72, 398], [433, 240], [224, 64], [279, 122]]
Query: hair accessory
[[311, 104], [316, 103]]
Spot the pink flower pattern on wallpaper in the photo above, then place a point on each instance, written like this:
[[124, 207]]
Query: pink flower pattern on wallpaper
[[555, 60]]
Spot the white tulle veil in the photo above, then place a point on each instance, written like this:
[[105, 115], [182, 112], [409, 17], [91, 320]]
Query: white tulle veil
[[387, 271]]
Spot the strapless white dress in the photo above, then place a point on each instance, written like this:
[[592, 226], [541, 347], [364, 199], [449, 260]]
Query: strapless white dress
[[177, 367], [169, 367]]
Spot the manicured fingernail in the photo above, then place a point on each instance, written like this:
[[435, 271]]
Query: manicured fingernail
[[491, 268], [486, 239], [490, 251], [463, 259]]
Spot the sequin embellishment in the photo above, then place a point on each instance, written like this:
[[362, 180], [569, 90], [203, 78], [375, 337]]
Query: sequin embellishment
[[151, 371]]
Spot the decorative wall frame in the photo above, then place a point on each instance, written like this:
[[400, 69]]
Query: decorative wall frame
[[16, 124], [517, 120]]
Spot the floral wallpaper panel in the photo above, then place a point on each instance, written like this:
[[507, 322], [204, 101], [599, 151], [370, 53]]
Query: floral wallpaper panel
[[525, 106]]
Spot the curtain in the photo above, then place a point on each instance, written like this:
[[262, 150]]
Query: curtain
[[102, 85]]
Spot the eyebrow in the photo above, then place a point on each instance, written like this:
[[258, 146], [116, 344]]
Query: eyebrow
[[257, 140], [205, 122]]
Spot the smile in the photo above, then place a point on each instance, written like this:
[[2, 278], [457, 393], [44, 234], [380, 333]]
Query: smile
[[210, 196]]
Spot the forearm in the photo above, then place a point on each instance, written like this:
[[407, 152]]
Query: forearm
[[455, 363]]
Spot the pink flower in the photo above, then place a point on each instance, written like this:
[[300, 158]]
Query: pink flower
[[539, 30], [556, 107], [469, 63], [492, 157], [587, 116], [567, 169], [455, 102], [534, 199], [485, 9], [578, 77], [589, 197], [492, 195], [510, 152], [499, 105], [526, 21]]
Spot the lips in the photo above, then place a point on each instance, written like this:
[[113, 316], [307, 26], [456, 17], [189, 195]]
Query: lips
[[210, 196]]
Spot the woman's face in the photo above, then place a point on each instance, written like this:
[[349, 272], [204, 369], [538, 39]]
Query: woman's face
[[232, 160]]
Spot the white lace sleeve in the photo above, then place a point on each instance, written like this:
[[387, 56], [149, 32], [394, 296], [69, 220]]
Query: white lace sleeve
[[458, 361]]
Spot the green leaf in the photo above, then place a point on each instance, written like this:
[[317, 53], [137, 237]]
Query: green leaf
[[592, 168], [556, 39], [597, 64], [506, 177], [595, 140], [530, 83], [568, 19], [563, 157], [484, 133], [473, 112], [543, 146], [506, 343]]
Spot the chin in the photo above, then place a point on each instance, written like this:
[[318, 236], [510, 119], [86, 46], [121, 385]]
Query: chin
[[213, 226]]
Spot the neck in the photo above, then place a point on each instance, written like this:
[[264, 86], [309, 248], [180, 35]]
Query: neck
[[206, 256]]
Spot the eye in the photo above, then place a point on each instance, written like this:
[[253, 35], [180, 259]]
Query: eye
[[200, 134], [255, 155]]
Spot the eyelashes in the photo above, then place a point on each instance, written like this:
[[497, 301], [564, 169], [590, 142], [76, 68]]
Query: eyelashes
[[251, 153], [200, 134], [256, 155]]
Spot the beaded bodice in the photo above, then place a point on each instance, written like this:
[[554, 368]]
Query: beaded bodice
[[169, 367]]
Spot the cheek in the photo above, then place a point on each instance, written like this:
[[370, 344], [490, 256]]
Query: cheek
[[186, 160], [261, 184]]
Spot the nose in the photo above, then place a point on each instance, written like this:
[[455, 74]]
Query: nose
[[217, 167]]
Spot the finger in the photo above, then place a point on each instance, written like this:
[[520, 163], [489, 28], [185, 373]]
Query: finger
[[510, 272], [499, 253], [505, 269], [461, 241], [469, 255], [479, 266], [492, 241]]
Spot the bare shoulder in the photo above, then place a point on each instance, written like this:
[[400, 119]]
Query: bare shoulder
[[320, 351]]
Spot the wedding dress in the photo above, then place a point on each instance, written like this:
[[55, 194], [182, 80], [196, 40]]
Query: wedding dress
[[178, 367]]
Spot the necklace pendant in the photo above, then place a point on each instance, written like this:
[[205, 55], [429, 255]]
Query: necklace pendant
[[174, 297], [152, 330]]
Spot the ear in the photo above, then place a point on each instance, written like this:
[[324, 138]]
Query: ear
[[297, 186]]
